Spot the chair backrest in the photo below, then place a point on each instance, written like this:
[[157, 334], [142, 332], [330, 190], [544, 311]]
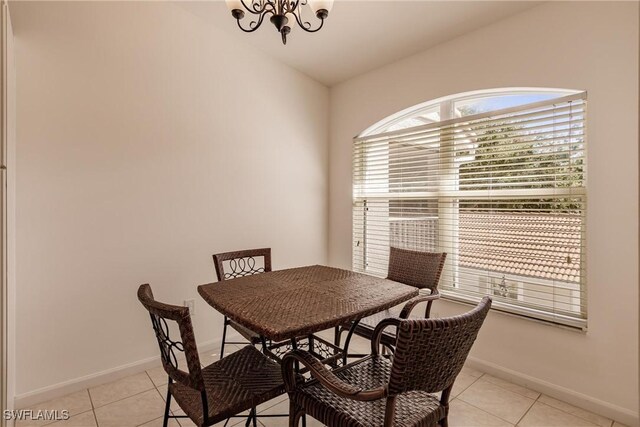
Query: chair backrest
[[431, 352], [416, 268], [242, 263], [160, 313]]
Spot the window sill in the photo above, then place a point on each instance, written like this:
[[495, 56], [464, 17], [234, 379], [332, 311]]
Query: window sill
[[574, 325]]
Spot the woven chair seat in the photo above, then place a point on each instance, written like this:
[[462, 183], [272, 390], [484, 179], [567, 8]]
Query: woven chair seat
[[238, 382], [413, 408], [247, 333]]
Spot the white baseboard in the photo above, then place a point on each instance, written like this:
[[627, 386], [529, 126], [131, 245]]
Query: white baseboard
[[92, 380], [607, 409]]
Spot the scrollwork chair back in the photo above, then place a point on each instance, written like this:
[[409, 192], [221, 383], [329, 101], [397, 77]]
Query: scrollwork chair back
[[160, 313], [230, 265]]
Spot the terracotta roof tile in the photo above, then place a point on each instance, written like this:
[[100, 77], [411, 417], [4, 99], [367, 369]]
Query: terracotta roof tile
[[534, 245]]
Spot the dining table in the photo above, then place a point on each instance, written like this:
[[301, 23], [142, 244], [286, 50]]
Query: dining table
[[298, 302]]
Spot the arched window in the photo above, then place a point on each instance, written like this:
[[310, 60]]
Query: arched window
[[494, 178]]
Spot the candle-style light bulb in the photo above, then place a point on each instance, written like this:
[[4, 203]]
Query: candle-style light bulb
[[234, 4], [321, 7], [236, 7], [291, 20]]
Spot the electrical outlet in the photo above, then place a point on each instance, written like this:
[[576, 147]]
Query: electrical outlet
[[191, 305]]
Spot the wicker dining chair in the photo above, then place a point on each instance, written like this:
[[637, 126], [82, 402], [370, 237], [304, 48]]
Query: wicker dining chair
[[419, 269], [377, 391], [207, 395], [240, 264]]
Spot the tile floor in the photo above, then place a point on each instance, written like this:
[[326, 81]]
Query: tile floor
[[478, 400]]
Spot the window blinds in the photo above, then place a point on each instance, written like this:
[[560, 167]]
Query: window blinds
[[503, 193]]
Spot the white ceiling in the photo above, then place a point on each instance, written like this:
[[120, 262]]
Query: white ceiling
[[361, 35]]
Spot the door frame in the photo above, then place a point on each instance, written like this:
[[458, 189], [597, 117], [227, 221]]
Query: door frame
[[6, 370]]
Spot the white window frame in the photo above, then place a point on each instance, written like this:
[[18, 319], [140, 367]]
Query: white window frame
[[445, 196]]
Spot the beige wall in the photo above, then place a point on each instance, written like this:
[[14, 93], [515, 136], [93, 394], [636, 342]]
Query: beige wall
[[586, 46], [149, 140], [134, 117]]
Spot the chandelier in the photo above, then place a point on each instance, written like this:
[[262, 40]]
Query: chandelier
[[284, 14]]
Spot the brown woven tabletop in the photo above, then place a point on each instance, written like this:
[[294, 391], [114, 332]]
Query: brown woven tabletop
[[286, 304]]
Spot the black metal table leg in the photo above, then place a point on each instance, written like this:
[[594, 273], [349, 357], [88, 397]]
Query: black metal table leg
[[264, 344], [294, 346], [348, 340], [311, 344]]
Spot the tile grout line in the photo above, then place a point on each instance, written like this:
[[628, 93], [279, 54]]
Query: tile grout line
[[120, 400], [275, 404], [487, 412], [159, 418], [164, 401], [571, 414], [150, 379], [93, 408], [497, 385], [579, 416], [465, 389], [528, 409], [514, 392], [538, 398], [62, 421], [163, 397]]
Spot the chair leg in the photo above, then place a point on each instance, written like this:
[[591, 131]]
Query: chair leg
[[224, 337], [337, 335], [295, 413], [255, 417], [167, 407], [444, 422]]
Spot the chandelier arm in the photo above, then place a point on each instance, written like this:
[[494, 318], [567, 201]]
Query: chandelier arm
[[255, 8], [307, 28], [270, 7], [292, 6], [252, 28]]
